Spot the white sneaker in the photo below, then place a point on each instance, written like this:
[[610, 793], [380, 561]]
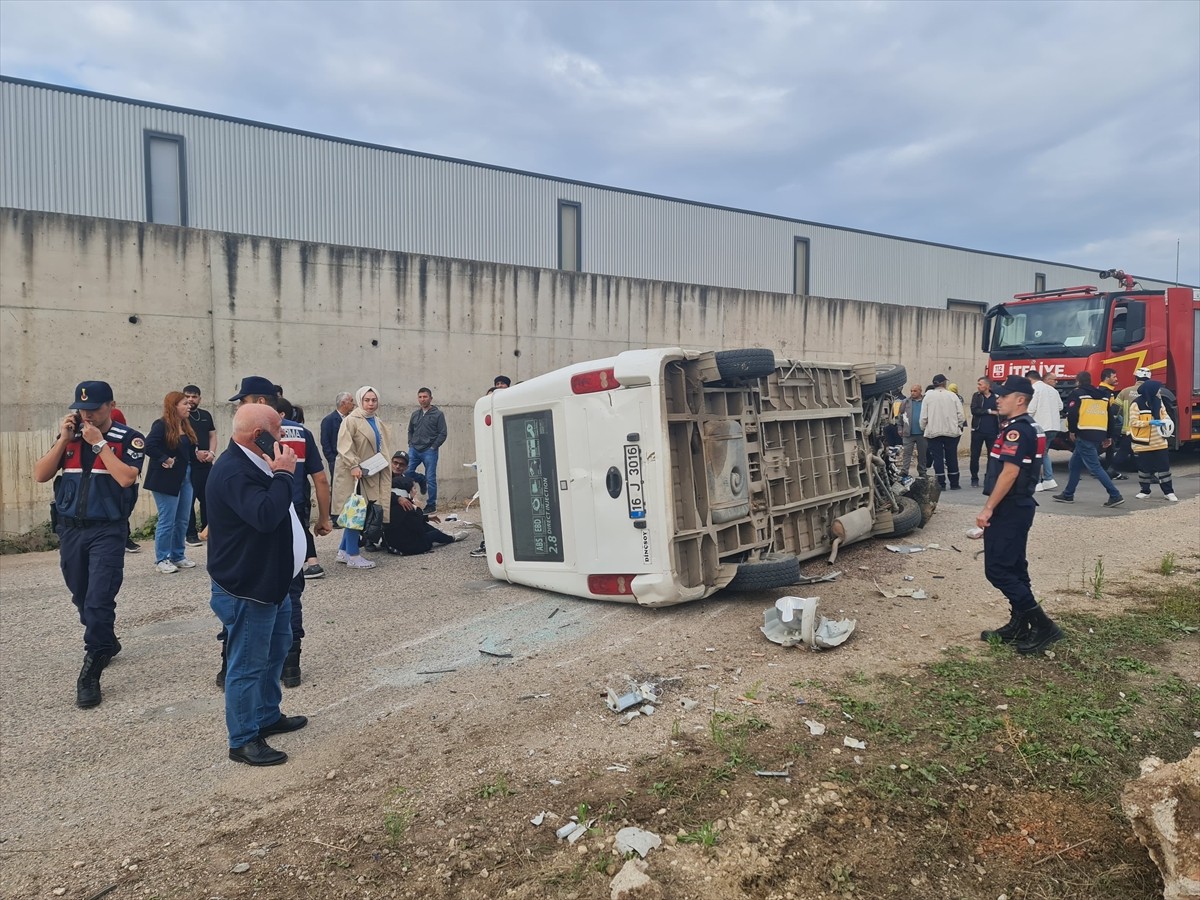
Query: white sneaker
[[1140, 495], [166, 567], [1041, 486], [459, 536], [184, 563], [341, 557], [1049, 484], [357, 562], [1171, 498]]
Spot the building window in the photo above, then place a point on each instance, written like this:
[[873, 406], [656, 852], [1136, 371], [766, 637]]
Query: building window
[[800, 267], [1039, 282], [570, 241], [166, 179], [974, 307]]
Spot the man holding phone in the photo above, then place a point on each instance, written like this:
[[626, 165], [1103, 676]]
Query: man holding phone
[[100, 462], [255, 550]]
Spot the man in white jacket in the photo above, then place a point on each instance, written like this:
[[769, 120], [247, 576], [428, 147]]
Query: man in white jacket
[[1046, 409], [942, 421]]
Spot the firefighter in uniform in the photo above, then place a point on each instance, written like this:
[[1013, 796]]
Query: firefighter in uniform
[[100, 461], [1014, 468]]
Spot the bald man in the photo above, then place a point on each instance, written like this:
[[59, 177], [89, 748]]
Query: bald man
[[256, 547]]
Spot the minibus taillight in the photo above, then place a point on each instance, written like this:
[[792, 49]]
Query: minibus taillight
[[592, 382], [611, 585]]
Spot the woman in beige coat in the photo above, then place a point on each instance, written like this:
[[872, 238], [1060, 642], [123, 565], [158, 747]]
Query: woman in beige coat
[[361, 436]]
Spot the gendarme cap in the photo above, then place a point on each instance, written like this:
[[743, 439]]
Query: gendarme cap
[[92, 395], [1014, 384]]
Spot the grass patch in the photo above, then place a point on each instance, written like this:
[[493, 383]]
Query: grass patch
[[497, 787]]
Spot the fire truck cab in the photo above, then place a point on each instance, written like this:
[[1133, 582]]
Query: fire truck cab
[[1081, 328]]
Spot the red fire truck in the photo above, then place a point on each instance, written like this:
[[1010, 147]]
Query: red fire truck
[[1077, 329]]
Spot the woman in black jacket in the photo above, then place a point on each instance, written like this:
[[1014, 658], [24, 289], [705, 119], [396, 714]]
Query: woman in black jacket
[[170, 451]]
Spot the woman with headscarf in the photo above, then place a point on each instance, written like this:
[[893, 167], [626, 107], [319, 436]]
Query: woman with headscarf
[[1147, 421], [362, 435], [170, 451]]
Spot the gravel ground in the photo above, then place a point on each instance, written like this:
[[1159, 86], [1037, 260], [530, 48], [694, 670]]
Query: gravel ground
[[145, 774]]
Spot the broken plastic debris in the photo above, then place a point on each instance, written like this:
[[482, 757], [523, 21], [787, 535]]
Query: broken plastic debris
[[814, 579], [565, 830], [814, 727], [975, 533], [616, 767], [491, 647], [783, 626], [851, 742], [628, 717], [538, 819], [687, 704], [782, 773], [895, 548], [580, 830], [635, 840], [624, 701]]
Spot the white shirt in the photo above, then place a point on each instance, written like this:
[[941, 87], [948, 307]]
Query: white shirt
[[299, 544], [1046, 406]]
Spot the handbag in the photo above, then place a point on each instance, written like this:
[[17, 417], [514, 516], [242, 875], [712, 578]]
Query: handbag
[[354, 511], [373, 524]]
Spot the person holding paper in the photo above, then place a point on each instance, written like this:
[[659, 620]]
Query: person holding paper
[[362, 437]]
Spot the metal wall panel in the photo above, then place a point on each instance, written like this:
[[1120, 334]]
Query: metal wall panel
[[71, 152]]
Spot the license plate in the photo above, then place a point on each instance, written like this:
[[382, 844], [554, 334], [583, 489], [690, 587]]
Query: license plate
[[633, 481]]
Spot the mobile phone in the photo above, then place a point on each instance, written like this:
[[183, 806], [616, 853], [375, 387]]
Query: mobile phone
[[266, 443], [78, 426]]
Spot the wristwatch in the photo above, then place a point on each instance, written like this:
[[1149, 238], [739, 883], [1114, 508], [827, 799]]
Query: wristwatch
[[98, 448]]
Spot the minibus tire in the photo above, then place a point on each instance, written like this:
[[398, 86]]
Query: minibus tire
[[755, 362], [766, 575], [888, 377], [908, 518]]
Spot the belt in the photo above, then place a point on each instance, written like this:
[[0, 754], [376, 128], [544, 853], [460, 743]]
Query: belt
[[76, 522]]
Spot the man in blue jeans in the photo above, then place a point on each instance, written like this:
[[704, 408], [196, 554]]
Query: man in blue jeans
[[256, 547], [1090, 422], [426, 434]]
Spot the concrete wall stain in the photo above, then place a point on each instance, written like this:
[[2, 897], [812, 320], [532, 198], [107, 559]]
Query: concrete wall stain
[[231, 270]]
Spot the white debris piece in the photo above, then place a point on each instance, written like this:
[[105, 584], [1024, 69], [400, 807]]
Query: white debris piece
[[852, 743], [782, 625], [814, 727], [637, 841]]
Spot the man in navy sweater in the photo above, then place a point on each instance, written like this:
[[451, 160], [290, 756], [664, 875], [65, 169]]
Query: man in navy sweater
[[256, 547]]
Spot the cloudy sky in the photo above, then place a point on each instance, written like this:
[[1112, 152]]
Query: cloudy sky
[[1067, 131]]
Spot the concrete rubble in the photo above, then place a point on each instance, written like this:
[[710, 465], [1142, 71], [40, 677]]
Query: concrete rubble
[[1164, 807]]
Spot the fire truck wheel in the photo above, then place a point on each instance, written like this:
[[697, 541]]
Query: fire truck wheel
[[888, 377]]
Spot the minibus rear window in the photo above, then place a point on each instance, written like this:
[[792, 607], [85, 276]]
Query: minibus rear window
[[533, 487]]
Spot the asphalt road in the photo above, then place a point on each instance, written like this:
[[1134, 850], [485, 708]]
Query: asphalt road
[[1089, 495]]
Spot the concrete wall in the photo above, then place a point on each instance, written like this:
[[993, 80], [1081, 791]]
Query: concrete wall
[[149, 308]]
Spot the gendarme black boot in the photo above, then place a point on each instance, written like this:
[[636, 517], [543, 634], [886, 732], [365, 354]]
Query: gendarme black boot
[[291, 667], [1042, 632], [1014, 630], [87, 688], [220, 679]]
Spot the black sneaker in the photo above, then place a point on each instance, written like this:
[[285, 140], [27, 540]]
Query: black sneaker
[[1063, 498], [132, 547], [193, 540], [1111, 502], [313, 571]]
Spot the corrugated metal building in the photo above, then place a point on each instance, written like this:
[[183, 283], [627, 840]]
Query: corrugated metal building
[[70, 151]]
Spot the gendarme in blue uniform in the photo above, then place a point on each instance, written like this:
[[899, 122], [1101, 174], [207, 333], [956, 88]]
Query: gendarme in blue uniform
[[1021, 442], [92, 513]]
